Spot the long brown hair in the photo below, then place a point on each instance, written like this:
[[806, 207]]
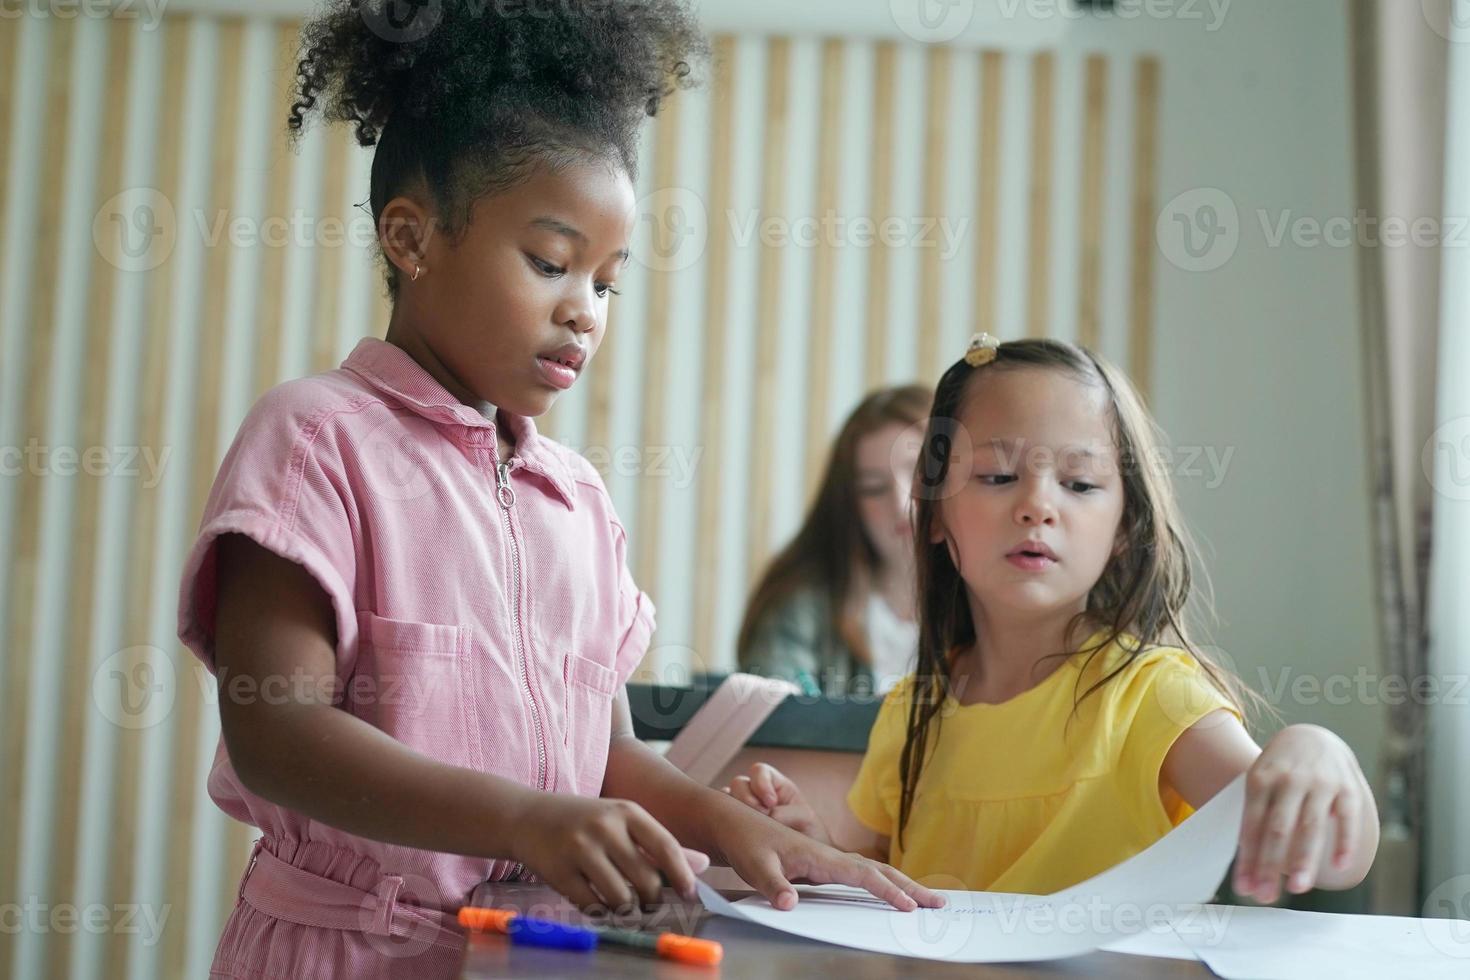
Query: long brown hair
[[1143, 590], [831, 553]]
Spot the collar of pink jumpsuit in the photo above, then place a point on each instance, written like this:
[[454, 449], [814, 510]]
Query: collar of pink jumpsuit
[[390, 370]]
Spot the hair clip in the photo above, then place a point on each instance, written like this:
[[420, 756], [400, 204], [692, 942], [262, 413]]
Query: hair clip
[[983, 349]]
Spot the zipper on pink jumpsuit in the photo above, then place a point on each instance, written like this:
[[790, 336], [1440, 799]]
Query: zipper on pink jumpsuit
[[507, 498]]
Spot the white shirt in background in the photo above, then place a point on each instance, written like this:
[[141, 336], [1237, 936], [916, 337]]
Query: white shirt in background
[[893, 642]]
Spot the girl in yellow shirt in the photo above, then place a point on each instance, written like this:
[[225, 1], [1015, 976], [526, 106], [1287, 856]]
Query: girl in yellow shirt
[[1060, 718]]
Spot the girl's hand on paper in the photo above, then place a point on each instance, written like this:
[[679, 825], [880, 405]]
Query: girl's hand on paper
[[770, 857], [1305, 802], [767, 789], [601, 854]]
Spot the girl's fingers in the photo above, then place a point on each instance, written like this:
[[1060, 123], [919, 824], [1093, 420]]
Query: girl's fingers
[[793, 815], [852, 869], [767, 879], [1346, 811], [1276, 833], [926, 898], [698, 860], [586, 898], [866, 874], [1257, 802], [763, 780], [740, 789], [665, 852], [638, 869], [1314, 828], [609, 883], [576, 888], [802, 819]]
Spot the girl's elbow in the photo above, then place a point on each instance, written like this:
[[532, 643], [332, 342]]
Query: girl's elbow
[[253, 746], [249, 763]]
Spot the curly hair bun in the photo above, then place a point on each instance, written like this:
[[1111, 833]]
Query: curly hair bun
[[461, 96], [580, 63]]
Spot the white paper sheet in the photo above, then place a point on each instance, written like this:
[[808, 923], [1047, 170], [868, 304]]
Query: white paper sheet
[[1145, 892], [1285, 944], [1160, 943]]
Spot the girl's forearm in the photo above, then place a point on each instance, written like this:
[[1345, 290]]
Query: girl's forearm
[[688, 809], [337, 769]]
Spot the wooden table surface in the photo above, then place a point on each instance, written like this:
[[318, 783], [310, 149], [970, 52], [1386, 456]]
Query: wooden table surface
[[753, 951]]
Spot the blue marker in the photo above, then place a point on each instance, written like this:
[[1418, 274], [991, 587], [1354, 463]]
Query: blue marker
[[552, 935]]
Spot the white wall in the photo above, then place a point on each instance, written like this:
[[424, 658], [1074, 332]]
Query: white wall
[[1260, 357]]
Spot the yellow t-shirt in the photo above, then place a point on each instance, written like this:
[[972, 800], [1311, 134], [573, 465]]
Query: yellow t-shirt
[[1014, 799]]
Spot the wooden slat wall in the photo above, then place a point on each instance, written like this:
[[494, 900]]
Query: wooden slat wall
[[881, 192], [990, 131], [936, 147], [86, 532], [204, 453], [142, 555], [1145, 165], [1043, 70], [24, 558], [819, 354], [150, 782], [1089, 313], [272, 317], [716, 350], [768, 286], [656, 351], [325, 324]]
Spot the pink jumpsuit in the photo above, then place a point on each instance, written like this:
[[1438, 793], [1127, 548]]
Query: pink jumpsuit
[[485, 617]]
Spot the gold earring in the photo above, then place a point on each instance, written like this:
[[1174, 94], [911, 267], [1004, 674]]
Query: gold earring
[[416, 270]]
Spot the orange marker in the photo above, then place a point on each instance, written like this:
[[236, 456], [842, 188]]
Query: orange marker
[[540, 932]]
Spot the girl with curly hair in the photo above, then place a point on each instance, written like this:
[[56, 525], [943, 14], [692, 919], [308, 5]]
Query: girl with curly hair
[[417, 607]]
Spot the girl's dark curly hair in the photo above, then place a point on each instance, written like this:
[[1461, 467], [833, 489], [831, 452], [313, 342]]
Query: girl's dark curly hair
[[463, 98]]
